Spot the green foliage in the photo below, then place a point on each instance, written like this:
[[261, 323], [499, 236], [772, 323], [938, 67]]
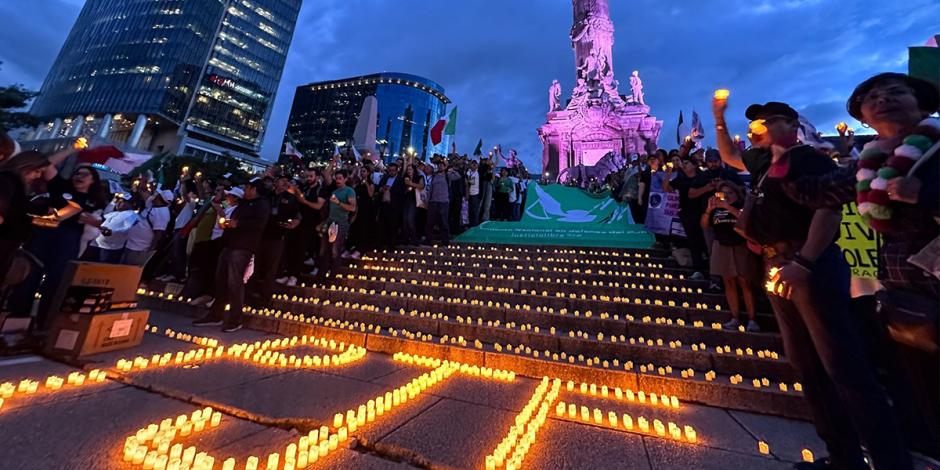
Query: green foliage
[[167, 168], [12, 99]]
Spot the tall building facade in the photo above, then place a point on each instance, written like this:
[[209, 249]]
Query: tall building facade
[[182, 76], [324, 114]]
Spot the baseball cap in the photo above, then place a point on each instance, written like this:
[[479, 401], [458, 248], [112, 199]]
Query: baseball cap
[[237, 192], [771, 108], [712, 155]]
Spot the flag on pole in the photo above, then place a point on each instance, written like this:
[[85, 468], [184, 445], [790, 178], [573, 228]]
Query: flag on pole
[[679, 129], [451, 123], [479, 150], [698, 131], [356, 153], [444, 126], [336, 151], [111, 157], [290, 149]]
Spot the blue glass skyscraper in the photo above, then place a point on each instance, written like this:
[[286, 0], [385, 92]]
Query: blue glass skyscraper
[[190, 77], [324, 114]]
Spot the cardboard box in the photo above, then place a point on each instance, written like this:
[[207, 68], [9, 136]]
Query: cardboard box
[[78, 335], [123, 279]]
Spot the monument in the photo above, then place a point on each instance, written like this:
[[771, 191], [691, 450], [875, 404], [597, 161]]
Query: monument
[[597, 122]]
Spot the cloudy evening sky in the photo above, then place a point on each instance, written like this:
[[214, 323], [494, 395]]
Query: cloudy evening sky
[[496, 59]]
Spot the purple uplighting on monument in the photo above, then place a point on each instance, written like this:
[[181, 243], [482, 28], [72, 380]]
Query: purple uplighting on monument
[[588, 137]]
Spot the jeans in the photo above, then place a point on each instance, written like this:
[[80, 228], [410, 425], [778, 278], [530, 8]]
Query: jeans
[[691, 223], [136, 258], [821, 340], [515, 209], [437, 217], [474, 206], [230, 286], [298, 245], [267, 266], [178, 256], [411, 223], [202, 267], [54, 248], [110, 256], [390, 216], [486, 195], [330, 252]]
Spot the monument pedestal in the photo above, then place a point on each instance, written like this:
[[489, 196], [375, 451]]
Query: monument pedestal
[[590, 137], [589, 141]]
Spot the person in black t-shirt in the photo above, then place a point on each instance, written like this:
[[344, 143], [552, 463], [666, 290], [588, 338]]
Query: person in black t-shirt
[[486, 187], [17, 176], [300, 240], [74, 200], [809, 281], [284, 218], [690, 213], [730, 257]]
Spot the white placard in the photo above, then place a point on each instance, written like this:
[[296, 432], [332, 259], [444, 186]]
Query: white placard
[[121, 328]]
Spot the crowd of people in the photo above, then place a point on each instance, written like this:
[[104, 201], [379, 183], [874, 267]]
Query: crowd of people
[[866, 352], [770, 232], [215, 235]]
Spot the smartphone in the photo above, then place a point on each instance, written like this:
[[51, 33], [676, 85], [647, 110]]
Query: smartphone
[[720, 195]]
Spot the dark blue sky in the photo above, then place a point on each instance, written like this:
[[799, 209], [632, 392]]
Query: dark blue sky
[[496, 59]]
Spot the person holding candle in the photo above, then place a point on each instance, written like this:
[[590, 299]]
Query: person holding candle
[[898, 107], [242, 231], [730, 257], [206, 246], [811, 302], [284, 218], [336, 226]]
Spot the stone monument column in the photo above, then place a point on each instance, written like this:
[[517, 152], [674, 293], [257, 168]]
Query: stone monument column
[[593, 34]]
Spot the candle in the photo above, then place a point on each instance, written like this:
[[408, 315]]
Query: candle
[[807, 455], [722, 94]]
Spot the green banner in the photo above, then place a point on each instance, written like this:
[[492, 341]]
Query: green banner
[[563, 216]]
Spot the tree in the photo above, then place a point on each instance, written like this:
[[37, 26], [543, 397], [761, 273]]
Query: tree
[[12, 99]]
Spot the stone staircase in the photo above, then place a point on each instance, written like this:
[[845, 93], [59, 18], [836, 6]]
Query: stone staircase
[[622, 317]]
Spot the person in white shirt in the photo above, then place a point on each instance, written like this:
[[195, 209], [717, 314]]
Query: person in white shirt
[[114, 230], [473, 193], [144, 236]]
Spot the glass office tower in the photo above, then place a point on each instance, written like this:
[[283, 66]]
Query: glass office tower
[[324, 114], [182, 76]]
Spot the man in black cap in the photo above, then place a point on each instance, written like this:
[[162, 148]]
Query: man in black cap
[[242, 235], [808, 278]]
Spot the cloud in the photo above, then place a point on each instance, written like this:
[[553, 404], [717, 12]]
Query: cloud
[[496, 60]]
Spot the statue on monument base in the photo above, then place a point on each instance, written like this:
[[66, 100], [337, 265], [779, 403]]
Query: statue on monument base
[[636, 85], [554, 96]]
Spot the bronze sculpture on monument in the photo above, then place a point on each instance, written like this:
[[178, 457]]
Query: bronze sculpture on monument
[[598, 125]]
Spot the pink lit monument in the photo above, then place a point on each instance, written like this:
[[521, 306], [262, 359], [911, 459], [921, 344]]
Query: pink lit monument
[[591, 135]]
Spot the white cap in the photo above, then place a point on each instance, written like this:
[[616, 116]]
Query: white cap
[[237, 192], [167, 195]]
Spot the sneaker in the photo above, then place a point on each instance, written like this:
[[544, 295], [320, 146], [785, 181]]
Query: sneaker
[[232, 328], [164, 278], [733, 324], [291, 282], [315, 271], [200, 301], [753, 327], [210, 303], [696, 276], [282, 280], [310, 262], [714, 287], [344, 255], [206, 321], [356, 255]]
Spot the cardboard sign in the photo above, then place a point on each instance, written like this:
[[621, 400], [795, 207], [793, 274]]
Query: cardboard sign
[[859, 243], [78, 335]]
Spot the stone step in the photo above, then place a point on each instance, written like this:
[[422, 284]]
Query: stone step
[[637, 269], [718, 391], [533, 254]]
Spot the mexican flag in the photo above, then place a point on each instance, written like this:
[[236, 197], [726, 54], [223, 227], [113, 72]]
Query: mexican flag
[[290, 148], [443, 127], [111, 157]]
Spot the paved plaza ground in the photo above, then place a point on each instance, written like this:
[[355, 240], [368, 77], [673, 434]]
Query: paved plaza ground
[[455, 425]]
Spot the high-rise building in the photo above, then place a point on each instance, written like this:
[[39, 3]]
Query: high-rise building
[[189, 77], [324, 114]]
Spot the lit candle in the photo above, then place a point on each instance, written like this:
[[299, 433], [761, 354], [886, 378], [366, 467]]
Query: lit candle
[[722, 94]]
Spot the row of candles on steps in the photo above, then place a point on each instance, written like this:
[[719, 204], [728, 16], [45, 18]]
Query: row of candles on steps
[[672, 344], [542, 271], [684, 373], [610, 270], [509, 277], [498, 304], [509, 249], [399, 257], [511, 451]]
